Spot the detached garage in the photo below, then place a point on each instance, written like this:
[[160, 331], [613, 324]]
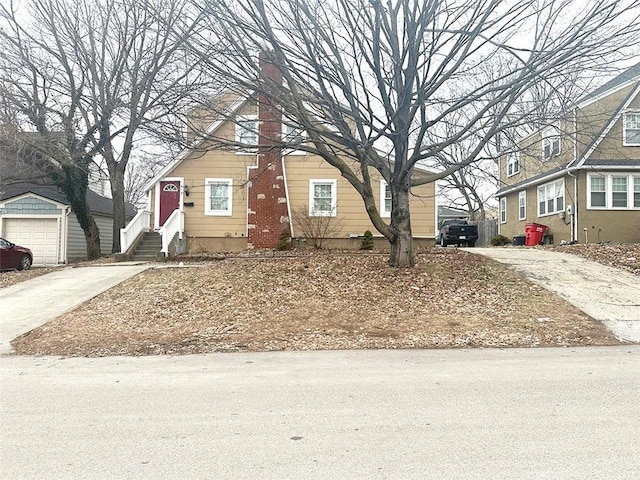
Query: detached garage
[[42, 235], [39, 217]]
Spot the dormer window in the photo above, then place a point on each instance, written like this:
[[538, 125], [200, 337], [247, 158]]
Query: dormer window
[[550, 143], [293, 136], [631, 131], [247, 133], [513, 163]]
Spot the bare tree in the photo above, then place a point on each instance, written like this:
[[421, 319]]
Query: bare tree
[[374, 83], [103, 72]]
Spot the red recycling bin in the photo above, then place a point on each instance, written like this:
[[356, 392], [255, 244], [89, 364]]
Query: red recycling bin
[[534, 233]]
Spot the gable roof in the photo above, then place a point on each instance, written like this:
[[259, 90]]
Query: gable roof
[[232, 109], [626, 78], [97, 203], [608, 126], [213, 126]]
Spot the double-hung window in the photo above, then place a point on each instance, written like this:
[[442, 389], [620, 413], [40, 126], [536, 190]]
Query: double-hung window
[[218, 196], [513, 163], [550, 143], [615, 191], [385, 199], [293, 136], [247, 134], [503, 210], [631, 130], [522, 205], [322, 198], [598, 191], [551, 198], [619, 195]]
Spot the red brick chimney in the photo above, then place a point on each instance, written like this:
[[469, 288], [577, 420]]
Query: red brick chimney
[[268, 213]]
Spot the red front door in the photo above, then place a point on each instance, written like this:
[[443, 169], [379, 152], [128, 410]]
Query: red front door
[[169, 199]]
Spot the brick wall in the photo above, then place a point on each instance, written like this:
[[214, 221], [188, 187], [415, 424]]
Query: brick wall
[[267, 201]]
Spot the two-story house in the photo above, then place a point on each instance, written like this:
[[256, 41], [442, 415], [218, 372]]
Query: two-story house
[[580, 177]]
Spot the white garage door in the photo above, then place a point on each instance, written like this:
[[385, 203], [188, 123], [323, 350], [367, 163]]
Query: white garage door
[[38, 234]]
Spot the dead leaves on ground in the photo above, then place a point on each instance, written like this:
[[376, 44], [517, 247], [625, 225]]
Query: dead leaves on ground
[[451, 299]]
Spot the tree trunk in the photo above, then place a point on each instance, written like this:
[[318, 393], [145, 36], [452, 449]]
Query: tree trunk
[[73, 181], [116, 177], [402, 242]]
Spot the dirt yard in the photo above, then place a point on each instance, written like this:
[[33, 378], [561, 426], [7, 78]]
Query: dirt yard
[[319, 301]]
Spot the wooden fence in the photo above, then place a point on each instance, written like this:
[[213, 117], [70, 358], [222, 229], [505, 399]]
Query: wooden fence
[[487, 229]]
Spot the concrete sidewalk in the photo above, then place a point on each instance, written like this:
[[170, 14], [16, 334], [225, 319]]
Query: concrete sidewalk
[[27, 305], [607, 294]]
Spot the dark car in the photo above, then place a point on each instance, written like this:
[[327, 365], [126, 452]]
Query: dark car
[[14, 257]]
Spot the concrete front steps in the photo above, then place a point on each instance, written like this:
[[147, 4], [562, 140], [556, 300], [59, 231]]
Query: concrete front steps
[[149, 248]]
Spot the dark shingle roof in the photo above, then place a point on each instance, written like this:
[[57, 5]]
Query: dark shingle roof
[[530, 180], [620, 162], [451, 212], [97, 203], [630, 74]]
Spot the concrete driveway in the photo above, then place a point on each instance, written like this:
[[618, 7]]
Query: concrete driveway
[[27, 305], [607, 294]]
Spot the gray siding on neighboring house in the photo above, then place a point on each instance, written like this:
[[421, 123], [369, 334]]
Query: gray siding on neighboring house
[[30, 206], [105, 224], [76, 243]]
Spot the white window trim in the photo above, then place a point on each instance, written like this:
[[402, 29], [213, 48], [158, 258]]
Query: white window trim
[[503, 210], [207, 195], [522, 196], [285, 132], [598, 207], [555, 199], [551, 134], [334, 197], [383, 211], [513, 158], [245, 118], [608, 191], [624, 129]]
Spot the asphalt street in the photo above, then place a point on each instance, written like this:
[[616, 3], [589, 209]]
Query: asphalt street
[[442, 414]]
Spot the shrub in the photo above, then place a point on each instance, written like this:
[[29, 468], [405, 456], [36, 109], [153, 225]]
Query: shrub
[[500, 240], [284, 241], [319, 229], [367, 241]]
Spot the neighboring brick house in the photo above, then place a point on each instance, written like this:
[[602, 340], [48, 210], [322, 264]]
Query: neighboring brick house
[[580, 176], [219, 199]]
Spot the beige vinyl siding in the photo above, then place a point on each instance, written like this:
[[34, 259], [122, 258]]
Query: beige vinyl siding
[[215, 164], [350, 207]]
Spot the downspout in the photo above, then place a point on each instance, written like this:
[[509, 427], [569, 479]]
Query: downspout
[[286, 193], [65, 234], [574, 211]]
